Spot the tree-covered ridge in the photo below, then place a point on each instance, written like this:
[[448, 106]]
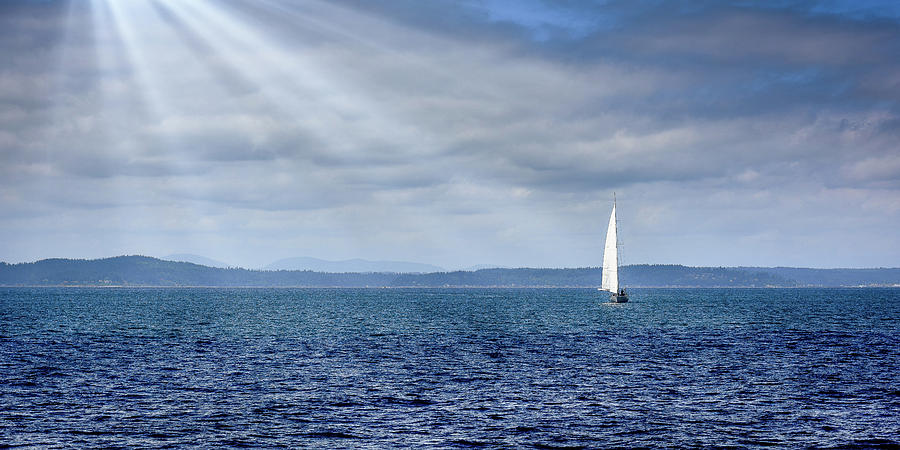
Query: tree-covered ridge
[[637, 275], [146, 271], [833, 277]]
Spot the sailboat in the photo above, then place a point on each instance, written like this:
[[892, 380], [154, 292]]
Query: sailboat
[[610, 276]]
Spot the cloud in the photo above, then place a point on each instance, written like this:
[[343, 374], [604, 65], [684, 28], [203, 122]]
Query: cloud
[[507, 124]]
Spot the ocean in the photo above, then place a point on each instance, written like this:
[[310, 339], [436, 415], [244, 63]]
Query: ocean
[[384, 368]]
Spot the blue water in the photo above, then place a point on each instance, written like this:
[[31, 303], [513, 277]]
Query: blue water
[[449, 367]]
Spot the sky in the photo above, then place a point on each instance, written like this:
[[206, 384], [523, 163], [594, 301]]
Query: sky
[[452, 133]]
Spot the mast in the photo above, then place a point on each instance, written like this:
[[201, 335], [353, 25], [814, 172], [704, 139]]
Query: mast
[[615, 220]]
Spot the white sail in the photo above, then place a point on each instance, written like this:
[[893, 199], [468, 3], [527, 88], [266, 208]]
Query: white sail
[[610, 280]]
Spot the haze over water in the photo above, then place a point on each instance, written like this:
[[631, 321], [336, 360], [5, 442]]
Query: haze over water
[[449, 367]]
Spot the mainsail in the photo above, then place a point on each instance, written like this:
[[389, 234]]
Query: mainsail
[[610, 280]]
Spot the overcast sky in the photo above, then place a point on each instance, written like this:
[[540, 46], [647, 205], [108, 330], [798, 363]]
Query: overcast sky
[[452, 133]]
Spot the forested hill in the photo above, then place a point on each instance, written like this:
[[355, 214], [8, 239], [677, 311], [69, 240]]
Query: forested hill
[[833, 277], [633, 276], [145, 271]]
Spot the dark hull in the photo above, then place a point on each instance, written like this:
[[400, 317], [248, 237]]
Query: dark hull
[[616, 298]]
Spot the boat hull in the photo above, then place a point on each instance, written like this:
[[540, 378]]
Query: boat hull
[[616, 298]]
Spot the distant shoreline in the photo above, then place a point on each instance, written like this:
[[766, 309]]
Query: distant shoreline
[[104, 286]]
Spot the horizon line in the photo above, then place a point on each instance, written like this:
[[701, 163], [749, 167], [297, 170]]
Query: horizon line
[[227, 267]]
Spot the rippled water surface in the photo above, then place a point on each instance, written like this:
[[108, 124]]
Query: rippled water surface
[[449, 367]]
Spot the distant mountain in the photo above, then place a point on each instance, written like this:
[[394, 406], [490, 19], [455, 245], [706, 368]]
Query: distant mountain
[[483, 266], [146, 271], [351, 266], [196, 259]]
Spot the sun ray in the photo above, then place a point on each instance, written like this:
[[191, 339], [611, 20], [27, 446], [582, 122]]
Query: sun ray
[[163, 49], [146, 53], [135, 43], [290, 77]]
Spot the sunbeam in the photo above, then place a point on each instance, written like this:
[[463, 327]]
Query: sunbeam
[[159, 72], [138, 42], [293, 81]]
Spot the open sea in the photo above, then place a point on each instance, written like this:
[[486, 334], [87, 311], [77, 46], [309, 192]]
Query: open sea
[[376, 368]]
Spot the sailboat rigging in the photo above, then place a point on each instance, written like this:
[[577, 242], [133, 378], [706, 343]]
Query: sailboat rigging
[[610, 275]]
